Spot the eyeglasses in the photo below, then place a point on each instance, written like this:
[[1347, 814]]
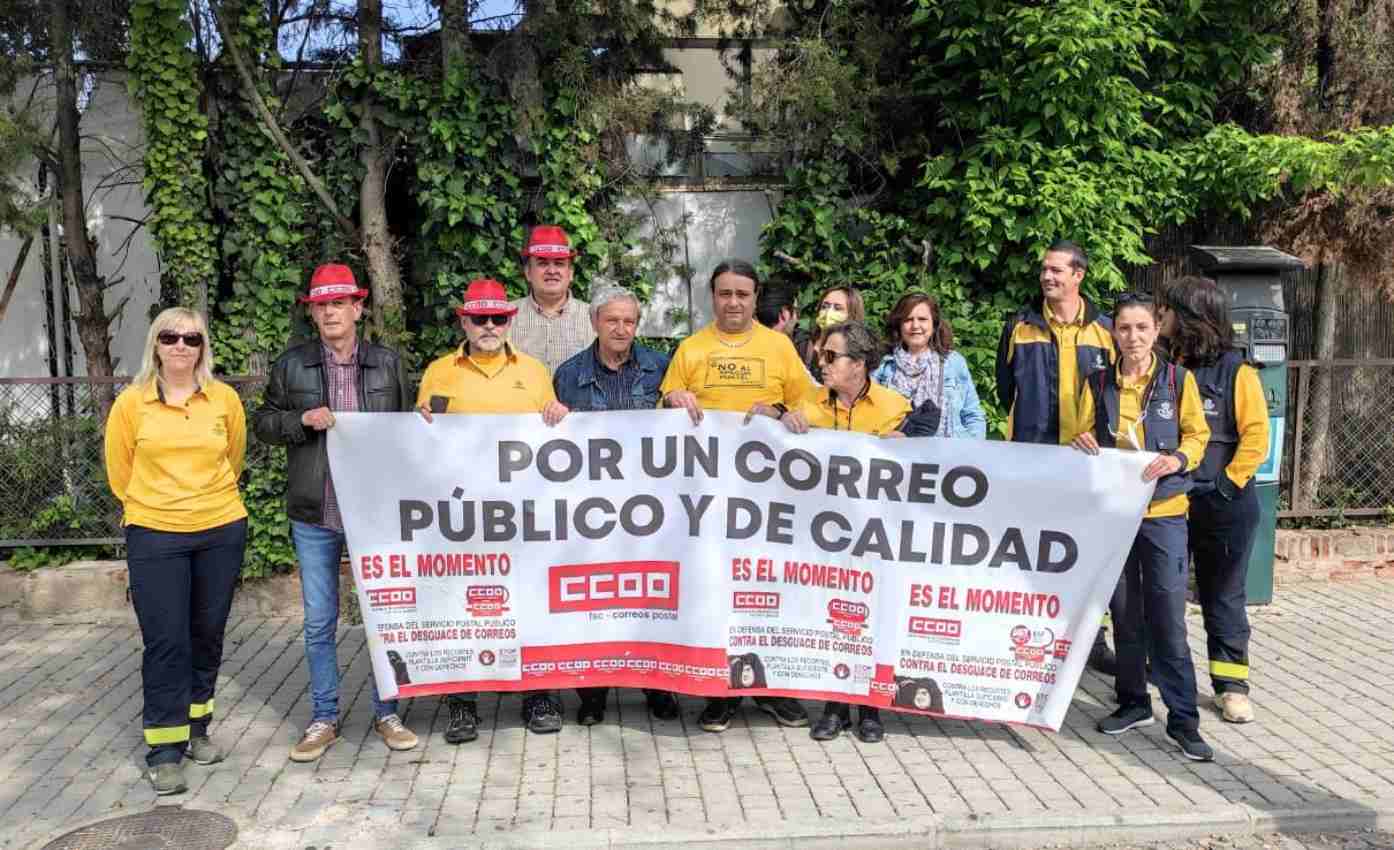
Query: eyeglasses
[[497, 321], [193, 339], [829, 357], [1134, 298]]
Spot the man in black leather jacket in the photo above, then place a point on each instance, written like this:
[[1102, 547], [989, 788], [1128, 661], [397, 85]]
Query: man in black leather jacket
[[309, 383]]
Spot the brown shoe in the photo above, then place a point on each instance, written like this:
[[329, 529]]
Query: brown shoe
[[319, 737], [394, 734]]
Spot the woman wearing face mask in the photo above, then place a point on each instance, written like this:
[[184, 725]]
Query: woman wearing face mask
[[1146, 403], [835, 306], [925, 369], [850, 401], [1224, 505]]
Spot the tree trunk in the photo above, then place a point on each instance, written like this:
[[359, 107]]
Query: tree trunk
[[454, 34], [383, 272], [93, 324], [1317, 432]]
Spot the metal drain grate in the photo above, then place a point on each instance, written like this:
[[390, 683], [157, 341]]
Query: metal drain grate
[[162, 828]]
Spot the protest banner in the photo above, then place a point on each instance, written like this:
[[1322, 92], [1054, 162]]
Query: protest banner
[[960, 578]]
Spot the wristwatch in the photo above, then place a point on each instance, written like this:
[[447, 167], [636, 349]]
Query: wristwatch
[[780, 409]]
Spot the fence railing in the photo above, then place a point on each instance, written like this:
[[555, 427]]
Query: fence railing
[[1341, 434], [53, 486], [1338, 450]]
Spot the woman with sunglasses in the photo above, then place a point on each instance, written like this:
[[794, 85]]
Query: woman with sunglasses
[[924, 368], [852, 402], [175, 442], [1145, 403], [1224, 505]]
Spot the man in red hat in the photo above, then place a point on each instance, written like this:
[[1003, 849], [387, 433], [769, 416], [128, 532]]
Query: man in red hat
[[486, 374], [309, 383], [550, 325]]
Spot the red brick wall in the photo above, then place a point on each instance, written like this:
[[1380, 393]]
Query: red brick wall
[[1347, 553]]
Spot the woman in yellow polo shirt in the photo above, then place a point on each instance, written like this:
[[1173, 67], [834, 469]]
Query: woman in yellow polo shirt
[[849, 401], [175, 442], [1145, 403]]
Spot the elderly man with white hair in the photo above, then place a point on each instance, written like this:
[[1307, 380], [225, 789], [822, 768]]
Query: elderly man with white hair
[[614, 373]]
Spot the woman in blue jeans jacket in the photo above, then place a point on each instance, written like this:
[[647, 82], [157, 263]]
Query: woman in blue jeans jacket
[[924, 368]]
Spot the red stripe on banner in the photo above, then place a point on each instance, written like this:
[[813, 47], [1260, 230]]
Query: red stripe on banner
[[628, 664]]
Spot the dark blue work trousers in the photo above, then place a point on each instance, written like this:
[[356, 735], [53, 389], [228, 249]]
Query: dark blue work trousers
[[1221, 538], [1149, 621], [181, 586]]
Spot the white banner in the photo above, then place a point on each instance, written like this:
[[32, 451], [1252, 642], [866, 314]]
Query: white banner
[[960, 578]]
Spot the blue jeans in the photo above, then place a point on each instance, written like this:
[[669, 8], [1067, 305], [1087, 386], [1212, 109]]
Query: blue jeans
[[318, 550]]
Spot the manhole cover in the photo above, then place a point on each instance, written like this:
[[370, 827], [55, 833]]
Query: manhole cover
[[162, 828]]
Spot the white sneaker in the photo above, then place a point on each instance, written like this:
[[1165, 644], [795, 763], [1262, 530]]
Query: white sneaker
[[1235, 707]]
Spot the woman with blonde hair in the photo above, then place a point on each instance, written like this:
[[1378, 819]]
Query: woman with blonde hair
[[175, 442]]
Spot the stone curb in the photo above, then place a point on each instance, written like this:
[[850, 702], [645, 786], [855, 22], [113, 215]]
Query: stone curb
[[95, 592], [933, 832]]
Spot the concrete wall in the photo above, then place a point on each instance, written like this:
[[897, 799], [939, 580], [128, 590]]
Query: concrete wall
[[112, 149]]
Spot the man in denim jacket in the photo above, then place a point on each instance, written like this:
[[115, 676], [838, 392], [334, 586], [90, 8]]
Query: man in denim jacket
[[614, 373]]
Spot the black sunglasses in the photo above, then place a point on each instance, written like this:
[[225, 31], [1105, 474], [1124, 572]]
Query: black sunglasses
[[830, 357], [481, 321], [193, 339], [1134, 298]]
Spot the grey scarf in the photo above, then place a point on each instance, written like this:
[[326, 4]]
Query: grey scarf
[[920, 378]]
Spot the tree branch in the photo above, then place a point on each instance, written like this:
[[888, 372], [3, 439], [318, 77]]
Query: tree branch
[[14, 275], [273, 129]]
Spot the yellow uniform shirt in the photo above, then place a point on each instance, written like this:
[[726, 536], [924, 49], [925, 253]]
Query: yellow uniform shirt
[[175, 467], [505, 382], [878, 412], [737, 372], [1066, 337], [1195, 432], [1251, 416]]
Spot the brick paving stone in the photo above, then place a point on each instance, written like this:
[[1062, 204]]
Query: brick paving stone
[[74, 719]]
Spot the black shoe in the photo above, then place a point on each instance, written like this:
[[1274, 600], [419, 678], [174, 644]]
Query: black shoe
[[592, 710], [540, 715], [869, 727], [662, 705], [1101, 658], [830, 725], [785, 711], [1125, 718], [1192, 745], [464, 721], [716, 717]]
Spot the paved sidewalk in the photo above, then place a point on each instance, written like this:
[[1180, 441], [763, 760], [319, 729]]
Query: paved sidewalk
[[1321, 755]]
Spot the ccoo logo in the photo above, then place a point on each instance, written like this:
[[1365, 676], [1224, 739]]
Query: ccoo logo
[[617, 585]]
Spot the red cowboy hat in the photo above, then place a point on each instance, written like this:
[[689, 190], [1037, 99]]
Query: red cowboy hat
[[548, 240], [485, 297], [331, 282]]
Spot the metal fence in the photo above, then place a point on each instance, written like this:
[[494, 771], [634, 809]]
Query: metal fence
[[1340, 460], [53, 487], [1338, 450]]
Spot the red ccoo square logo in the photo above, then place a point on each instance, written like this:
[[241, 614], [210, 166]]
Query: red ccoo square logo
[[391, 597], [617, 585]]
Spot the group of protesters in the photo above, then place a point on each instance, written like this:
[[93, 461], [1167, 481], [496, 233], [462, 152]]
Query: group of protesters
[[1156, 374]]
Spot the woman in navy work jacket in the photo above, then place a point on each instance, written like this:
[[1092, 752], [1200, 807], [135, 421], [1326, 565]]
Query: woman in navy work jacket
[[1145, 403], [1224, 504]]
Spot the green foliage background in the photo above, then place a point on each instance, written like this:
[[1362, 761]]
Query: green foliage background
[[933, 145]]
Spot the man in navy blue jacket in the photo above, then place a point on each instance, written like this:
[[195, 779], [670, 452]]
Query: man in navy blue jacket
[[614, 373]]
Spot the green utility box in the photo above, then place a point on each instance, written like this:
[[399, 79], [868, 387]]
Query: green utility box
[[1252, 278]]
